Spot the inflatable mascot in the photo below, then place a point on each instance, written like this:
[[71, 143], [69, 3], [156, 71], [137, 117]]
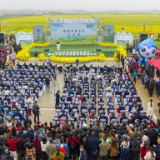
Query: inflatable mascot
[[147, 49]]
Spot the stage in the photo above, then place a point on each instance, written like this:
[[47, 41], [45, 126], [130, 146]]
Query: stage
[[75, 50]]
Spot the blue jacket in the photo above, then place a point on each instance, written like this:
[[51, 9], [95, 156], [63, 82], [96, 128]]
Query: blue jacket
[[30, 135], [121, 108], [26, 121], [125, 94], [69, 99], [144, 117], [93, 143], [65, 146], [57, 98], [125, 153], [157, 150], [19, 115], [83, 155], [104, 117]]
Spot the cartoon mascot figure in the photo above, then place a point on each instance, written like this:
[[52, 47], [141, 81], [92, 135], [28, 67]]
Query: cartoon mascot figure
[[147, 49]]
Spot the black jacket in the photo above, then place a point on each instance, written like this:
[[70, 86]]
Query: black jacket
[[21, 144], [2, 149], [135, 153], [86, 148], [2, 131], [8, 157]]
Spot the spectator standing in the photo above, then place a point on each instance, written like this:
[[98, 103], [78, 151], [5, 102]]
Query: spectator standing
[[36, 111], [114, 150], [48, 60], [37, 146], [44, 143], [21, 147], [157, 149], [77, 62], [58, 155], [94, 144], [57, 98], [13, 57], [150, 154], [50, 148], [27, 121], [151, 87], [143, 150], [13, 147], [126, 64], [134, 76], [122, 60], [139, 71], [82, 153], [86, 146], [150, 109], [125, 150], [65, 146], [142, 78], [47, 83], [6, 155], [104, 147], [134, 152], [72, 143], [35, 55], [30, 152]]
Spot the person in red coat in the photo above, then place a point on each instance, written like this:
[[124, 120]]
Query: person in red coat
[[37, 146], [143, 150], [72, 143], [12, 143]]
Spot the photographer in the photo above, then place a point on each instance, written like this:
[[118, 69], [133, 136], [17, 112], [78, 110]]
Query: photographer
[[36, 112], [47, 83]]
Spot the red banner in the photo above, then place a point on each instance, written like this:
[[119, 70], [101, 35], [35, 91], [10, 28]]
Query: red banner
[[62, 121]]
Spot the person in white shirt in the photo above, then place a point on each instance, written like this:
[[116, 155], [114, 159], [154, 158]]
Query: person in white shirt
[[44, 143]]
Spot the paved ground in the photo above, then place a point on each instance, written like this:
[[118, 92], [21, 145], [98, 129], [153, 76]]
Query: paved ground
[[47, 101]]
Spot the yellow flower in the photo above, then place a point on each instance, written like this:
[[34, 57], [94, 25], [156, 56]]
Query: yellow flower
[[41, 57]]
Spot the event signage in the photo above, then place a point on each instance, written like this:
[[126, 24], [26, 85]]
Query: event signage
[[73, 53], [71, 31], [74, 21], [24, 40], [109, 30], [37, 33], [123, 39]]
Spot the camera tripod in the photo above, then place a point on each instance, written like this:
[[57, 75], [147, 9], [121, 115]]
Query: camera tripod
[[55, 83]]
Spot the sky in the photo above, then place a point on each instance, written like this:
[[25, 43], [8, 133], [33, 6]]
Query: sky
[[89, 5]]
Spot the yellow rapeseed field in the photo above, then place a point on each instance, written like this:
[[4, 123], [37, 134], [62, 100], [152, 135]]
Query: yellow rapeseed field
[[127, 21]]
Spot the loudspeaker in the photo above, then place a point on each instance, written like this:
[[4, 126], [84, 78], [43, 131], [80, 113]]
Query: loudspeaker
[[2, 38], [143, 37], [98, 49], [46, 49]]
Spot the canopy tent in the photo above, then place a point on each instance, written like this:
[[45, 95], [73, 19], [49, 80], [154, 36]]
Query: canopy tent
[[155, 63], [158, 52]]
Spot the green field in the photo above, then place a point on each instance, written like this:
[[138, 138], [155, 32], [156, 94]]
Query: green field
[[108, 52]]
